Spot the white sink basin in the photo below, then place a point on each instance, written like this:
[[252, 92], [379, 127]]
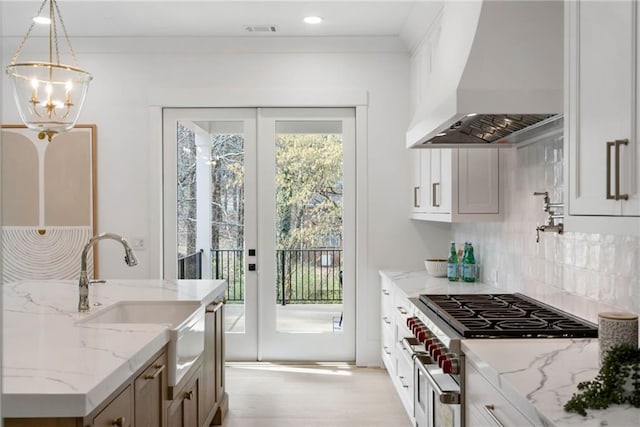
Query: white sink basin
[[185, 320]]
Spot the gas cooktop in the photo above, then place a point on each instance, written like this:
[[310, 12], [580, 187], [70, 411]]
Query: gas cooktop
[[506, 316]]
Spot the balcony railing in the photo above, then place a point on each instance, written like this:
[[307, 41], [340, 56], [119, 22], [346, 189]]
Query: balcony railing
[[303, 276], [190, 266]]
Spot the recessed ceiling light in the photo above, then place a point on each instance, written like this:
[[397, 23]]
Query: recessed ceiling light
[[472, 114], [313, 19], [441, 134], [43, 20]]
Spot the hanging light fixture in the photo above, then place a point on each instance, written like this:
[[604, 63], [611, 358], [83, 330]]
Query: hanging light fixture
[[49, 95]]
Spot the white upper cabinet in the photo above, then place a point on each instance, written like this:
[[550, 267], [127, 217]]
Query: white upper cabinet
[[457, 185], [601, 116]]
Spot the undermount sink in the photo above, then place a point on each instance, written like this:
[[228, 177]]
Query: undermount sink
[[185, 320]]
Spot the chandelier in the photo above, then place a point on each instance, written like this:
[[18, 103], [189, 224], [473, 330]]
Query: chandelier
[[49, 95]]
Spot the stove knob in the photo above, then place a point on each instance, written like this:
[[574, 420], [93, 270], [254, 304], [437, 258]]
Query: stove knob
[[451, 366], [411, 321], [415, 329], [442, 359], [416, 325], [421, 335]]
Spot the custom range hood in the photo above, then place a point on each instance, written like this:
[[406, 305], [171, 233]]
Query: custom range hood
[[496, 74]]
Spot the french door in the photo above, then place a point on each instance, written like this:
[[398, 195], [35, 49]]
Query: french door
[[265, 198]]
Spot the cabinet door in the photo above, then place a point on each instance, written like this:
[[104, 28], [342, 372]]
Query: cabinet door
[[149, 394], [602, 101], [418, 202], [219, 355], [183, 411], [117, 413], [478, 187], [630, 157], [208, 391]]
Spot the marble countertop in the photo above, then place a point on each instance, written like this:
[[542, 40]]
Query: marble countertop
[[538, 376], [56, 367], [414, 283]]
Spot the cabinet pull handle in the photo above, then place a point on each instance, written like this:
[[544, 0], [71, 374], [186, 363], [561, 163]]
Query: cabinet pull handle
[[401, 310], [386, 320], [215, 306], [386, 349], [434, 192], [159, 369], [416, 202], [188, 394], [119, 422], [490, 410], [386, 292], [608, 170], [619, 196]]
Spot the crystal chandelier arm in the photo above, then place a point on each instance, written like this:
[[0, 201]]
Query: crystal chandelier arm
[[66, 35], [26, 36]]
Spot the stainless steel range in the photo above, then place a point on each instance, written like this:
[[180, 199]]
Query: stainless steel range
[[442, 321]]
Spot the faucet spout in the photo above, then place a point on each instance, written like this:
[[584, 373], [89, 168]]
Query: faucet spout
[[83, 284]]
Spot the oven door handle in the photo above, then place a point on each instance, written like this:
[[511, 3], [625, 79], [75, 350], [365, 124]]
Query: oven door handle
[[448, 397]]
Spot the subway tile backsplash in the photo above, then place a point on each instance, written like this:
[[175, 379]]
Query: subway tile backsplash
[[581, 273]]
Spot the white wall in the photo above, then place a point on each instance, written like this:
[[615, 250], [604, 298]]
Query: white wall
[[129, 73]]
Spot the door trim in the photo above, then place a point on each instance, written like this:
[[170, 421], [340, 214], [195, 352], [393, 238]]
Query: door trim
[[206, 97]]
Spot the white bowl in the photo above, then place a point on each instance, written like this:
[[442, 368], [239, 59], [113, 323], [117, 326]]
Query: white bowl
[[436, 267]]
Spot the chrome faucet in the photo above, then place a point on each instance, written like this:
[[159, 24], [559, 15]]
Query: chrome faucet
[[554, 219], [129, 258]]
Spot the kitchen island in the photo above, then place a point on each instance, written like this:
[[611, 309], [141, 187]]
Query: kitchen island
[[57, 366], [514, 381]]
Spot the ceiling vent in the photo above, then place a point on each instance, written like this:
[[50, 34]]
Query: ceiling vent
[[261, 28]]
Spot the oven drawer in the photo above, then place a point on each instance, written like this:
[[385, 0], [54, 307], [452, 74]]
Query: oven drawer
[[485, 406]]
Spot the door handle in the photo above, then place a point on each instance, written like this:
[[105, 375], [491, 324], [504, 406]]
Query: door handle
[[434, 192], [608, 170], [159, 370], [619, 196], [490, 409], [616, 145], [416, 202]]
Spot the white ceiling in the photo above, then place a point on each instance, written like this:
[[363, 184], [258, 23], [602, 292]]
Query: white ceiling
[[343, 18]]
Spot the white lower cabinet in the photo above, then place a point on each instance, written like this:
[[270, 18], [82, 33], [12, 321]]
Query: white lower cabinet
[[456, 185], [485, 406], [395, 309]]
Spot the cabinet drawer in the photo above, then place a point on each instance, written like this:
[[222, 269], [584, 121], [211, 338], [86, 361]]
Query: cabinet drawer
[[486, 403], [118, 413]]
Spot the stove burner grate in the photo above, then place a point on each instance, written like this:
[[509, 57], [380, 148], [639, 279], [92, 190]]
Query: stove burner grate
[[506, 315]]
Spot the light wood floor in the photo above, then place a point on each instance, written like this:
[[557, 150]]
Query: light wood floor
[[327, 395]]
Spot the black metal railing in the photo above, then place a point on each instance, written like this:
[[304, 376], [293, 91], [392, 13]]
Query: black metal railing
[[303, 276], [228, 264], [309, 276], [190, 266]]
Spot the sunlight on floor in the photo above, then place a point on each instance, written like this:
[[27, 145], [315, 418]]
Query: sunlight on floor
[[320, 369]]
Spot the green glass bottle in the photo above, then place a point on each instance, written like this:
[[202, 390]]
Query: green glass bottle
[[452, 264], [469, 265]]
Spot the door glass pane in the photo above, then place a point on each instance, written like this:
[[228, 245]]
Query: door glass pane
[[309, 237], [211, 209]]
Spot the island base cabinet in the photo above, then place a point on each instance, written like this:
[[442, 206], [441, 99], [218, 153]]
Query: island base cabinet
[[212, 390], [119, 412], [150, 390], [485, 406], [184, 410]]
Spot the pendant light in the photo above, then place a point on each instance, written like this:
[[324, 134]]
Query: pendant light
[[49, 95]]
